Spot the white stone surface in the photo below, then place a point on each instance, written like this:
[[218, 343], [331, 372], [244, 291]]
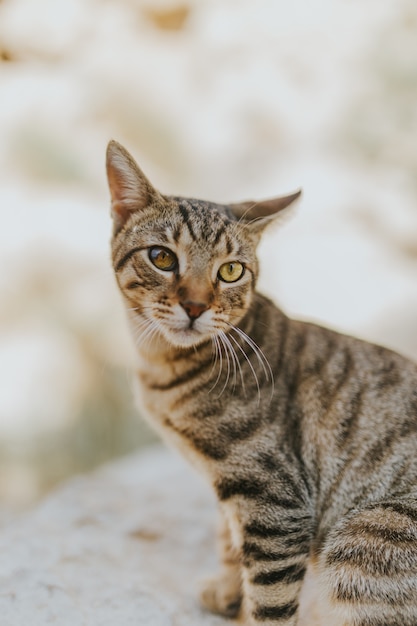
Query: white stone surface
[[126, 545]]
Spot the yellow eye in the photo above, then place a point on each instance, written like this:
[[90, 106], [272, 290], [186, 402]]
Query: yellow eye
[[231, 272], [163, 259]]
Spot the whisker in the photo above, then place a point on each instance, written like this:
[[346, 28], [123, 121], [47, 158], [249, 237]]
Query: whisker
[[228, 365], [244, 214], [235, 360], [218, 354], [144, 331], [263, 361], [249, 363], [261, 358], [228, 346]]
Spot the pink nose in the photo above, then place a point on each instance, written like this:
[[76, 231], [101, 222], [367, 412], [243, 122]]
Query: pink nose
[[194, 309]]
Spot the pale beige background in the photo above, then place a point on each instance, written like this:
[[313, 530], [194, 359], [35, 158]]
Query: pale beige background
[[221, 99]]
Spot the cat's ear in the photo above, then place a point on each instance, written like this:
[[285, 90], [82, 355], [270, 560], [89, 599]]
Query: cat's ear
[[130, 190], [257, 215]]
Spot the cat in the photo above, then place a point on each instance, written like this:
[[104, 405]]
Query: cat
[[308, 437]]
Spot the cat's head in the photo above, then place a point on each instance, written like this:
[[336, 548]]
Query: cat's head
[[186, 268]]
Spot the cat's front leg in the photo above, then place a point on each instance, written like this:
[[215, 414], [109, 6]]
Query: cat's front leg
[[223, 594], [275, 554]]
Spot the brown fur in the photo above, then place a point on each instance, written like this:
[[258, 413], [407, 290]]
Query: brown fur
[[308, 437]]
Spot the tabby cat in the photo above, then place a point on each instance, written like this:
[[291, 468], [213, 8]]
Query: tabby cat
[[308, 437]]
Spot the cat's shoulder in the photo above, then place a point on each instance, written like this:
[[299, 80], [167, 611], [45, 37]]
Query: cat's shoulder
[[367, 354]]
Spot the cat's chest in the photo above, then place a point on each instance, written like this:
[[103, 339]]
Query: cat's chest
[[173, 416], [181, 388], [204, 424], [182, 406], [175, 397]]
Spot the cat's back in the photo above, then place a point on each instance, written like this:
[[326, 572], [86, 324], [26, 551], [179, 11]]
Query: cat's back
[[378, 371], [307, 353], [353, 405]]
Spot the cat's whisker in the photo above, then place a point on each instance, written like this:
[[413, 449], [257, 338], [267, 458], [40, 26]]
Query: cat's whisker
[[151, 335], [149, 332], [263, 361], [219, 346], [220, 356], [141, 334], [219, 342], [145, 331], [228, 364], [139, 328], [250, 365], [230, 360], [228, 346], [141, 322], [214, 348], [235, 361], [242, 218], [214, 343]]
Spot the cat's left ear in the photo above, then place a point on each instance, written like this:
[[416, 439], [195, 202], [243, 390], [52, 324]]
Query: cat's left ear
[[130, 190], [258, 215]]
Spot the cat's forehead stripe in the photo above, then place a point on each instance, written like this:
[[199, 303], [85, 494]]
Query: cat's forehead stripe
[[187, 220], [220, 231], [204, 220]]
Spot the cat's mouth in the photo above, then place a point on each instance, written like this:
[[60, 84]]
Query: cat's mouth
[[176, 328], [184, 331], [188, 336]]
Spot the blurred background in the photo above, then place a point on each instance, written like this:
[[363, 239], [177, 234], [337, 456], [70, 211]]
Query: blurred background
[[221, 99]]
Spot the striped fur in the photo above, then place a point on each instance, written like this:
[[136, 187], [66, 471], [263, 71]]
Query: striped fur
[[308, 437]]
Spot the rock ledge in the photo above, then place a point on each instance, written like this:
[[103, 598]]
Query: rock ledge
[[126, 545]]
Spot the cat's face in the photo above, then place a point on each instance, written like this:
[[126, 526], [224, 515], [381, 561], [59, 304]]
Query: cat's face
[[186, 268], [192, 272]]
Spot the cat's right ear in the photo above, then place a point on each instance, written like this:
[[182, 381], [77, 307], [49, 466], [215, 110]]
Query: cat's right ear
[[130, 190]]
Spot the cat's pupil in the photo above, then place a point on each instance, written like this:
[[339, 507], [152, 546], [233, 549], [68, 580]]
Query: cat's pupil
[[231, 272], [162, 258]]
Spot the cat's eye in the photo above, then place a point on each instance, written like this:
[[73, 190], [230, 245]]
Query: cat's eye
[[163, 258], [231, 272]]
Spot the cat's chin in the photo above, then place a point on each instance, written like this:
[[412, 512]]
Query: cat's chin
[[188, 338]]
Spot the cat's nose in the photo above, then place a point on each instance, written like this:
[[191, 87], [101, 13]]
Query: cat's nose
[[194, 309]]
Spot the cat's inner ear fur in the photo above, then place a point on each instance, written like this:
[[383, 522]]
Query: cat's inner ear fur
[[130, 190], [260, 214]]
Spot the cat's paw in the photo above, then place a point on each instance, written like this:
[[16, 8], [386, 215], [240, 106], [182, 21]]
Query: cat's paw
[[222, 595]]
